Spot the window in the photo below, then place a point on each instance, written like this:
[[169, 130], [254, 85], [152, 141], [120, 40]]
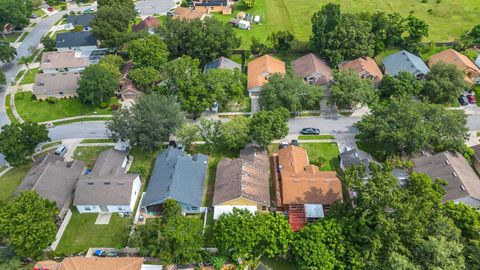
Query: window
[[194, 208], [87, 208], [120, 208]]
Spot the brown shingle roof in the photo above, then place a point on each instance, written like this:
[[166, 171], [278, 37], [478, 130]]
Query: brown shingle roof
[[188, 14], [148, 23], [95, 263], [365, 67], [311, 65], [53, 84], [303, 183], [246, 177], [65, 59], [462, 62], [261, 68]]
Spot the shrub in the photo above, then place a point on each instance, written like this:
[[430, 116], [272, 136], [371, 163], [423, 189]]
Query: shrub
[[51, 100], [103, 105]]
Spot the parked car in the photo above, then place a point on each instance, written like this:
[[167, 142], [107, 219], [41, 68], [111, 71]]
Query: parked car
[[172, 144], [463, 100], [294, 142], [103, 253], [33, 16], [310, 131], [88, 10], [61, 150], [284, 144], [50, 9], [472, 99]]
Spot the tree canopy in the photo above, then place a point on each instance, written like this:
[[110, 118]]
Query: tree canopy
[[227, 85], [403, 84], [281, 41], [97, 84], [111, 24], [7, 52], [149, 51], [149, 122], [27, 223], [266, 126], [443, 84], [15, 12], [349, 90], [17, 141]]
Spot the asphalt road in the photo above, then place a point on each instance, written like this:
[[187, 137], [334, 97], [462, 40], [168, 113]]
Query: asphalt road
[[95, 129]]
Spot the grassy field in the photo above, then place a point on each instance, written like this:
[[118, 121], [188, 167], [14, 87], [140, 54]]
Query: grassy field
[[329, 151], [10, 180], [143, 162], [39, 111], [30, 76], [10, 37], [316, 137], [89, 153], [447, 19], [82, 233]]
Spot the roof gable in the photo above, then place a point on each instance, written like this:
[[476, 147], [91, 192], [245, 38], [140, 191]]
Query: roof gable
[[406, 62], [75, 39], [261, 68]]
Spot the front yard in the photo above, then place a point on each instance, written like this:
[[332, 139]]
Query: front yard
[[40, 111], [82, 233], [89, 153], [328, 152], [10, 181], [30, 76], [10, 38]]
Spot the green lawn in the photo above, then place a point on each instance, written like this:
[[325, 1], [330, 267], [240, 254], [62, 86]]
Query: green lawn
[[50, 144], [10, 181], [9, 110], [448, 19], [40, 111], [329, 151], [39, 12], [143, 162], [316, 137], [82, 233], [275, 264], [96, 141], [24, 36], [30, 76], [19, 74], [10, 37], [89, 153]]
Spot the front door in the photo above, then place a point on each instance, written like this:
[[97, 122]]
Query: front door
[[103, 208]]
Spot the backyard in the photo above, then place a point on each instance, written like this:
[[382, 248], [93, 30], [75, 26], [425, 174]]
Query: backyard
[[82, 233], [328, 152], [448, 19], [10, 180], [89, 153], [39, 111]]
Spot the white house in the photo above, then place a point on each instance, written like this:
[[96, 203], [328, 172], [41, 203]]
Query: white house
[[108, 187]]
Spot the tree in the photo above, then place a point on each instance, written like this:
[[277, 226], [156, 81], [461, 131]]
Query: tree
[[17, 141], [403, 84], [150, 51], [25, 60], [97, 84], [185, 81], [324, 22], [227, 85], [266, 126], [125, 3], [187, 134], [7, 53], [111, 24], [248, 3], [205, 40], [174, 238], [210, 131], [258, 47], [416, 30], [3, 78], [48, 43], [281, 41], [234, 134], [472, 37], [349, 90], [112, 63], [405, 127], [289, 92], [149, 122], [146, 78], [27, 223], [443, 84], [388, 29], [15, 12]]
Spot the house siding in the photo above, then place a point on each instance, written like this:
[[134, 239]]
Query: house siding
[[62, 70], [469, 200]]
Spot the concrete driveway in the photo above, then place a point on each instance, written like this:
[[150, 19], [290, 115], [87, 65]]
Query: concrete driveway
[[151, 7]]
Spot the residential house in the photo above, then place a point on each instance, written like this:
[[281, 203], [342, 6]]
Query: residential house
[[312, 69], [366, 67], [56, 85], [355, 157], [222, 63], [243, 183], [82, 19], [463, 184], [259, 71], [149, 24], [476, 157], [462, 62], [477, 61], [207, 6], [60, 62], [306, 192], [404, 61], [83, 43], [182, 13], [127, 89], [8, 29], [108, 187], [177, 176], [53, 179], [97, 263]]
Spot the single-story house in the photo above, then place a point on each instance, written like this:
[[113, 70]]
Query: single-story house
[[177, 176], [127, 88], [462, 62], [244, 181], [355, 157], [366, 67], [149, 24], [108, 187], [208, 6], [96, 263], [57, 85], [306, 192], [84, 43], [82, 19], [65, 61], [222, 63], [182, 13], [476, 157], [463, 184], [312, 69], [53, 179], [404, 61]]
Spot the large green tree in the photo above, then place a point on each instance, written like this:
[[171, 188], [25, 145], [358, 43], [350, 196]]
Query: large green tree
[[17, 141], [149, 51], [97, 84], [111, 24], [281, 41], [234, 134], [124, 3], [3, 78], [350, 90], [406, 126], [7, 53], [227, 85], [27, 223], [205, 40], [443, 84], [15, 12], [403, 84], [149, 122], [187, 134], [266, 126], [145, 78], [289, 92]]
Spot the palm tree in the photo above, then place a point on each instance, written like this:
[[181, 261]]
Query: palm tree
[[25, 60]]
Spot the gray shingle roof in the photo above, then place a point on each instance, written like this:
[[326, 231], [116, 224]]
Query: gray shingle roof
[[404, 61], [355, 157], [75, 39], [83, 20], [177, 176], [222, 63]]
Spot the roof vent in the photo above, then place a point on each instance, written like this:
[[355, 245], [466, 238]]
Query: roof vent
[[447, 161], [90, 183], [462, 187], [455, 174], [120, 183], [106, 183]]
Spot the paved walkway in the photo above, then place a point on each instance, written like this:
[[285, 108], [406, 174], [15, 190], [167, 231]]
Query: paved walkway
[[103, 218], [71, 145]]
